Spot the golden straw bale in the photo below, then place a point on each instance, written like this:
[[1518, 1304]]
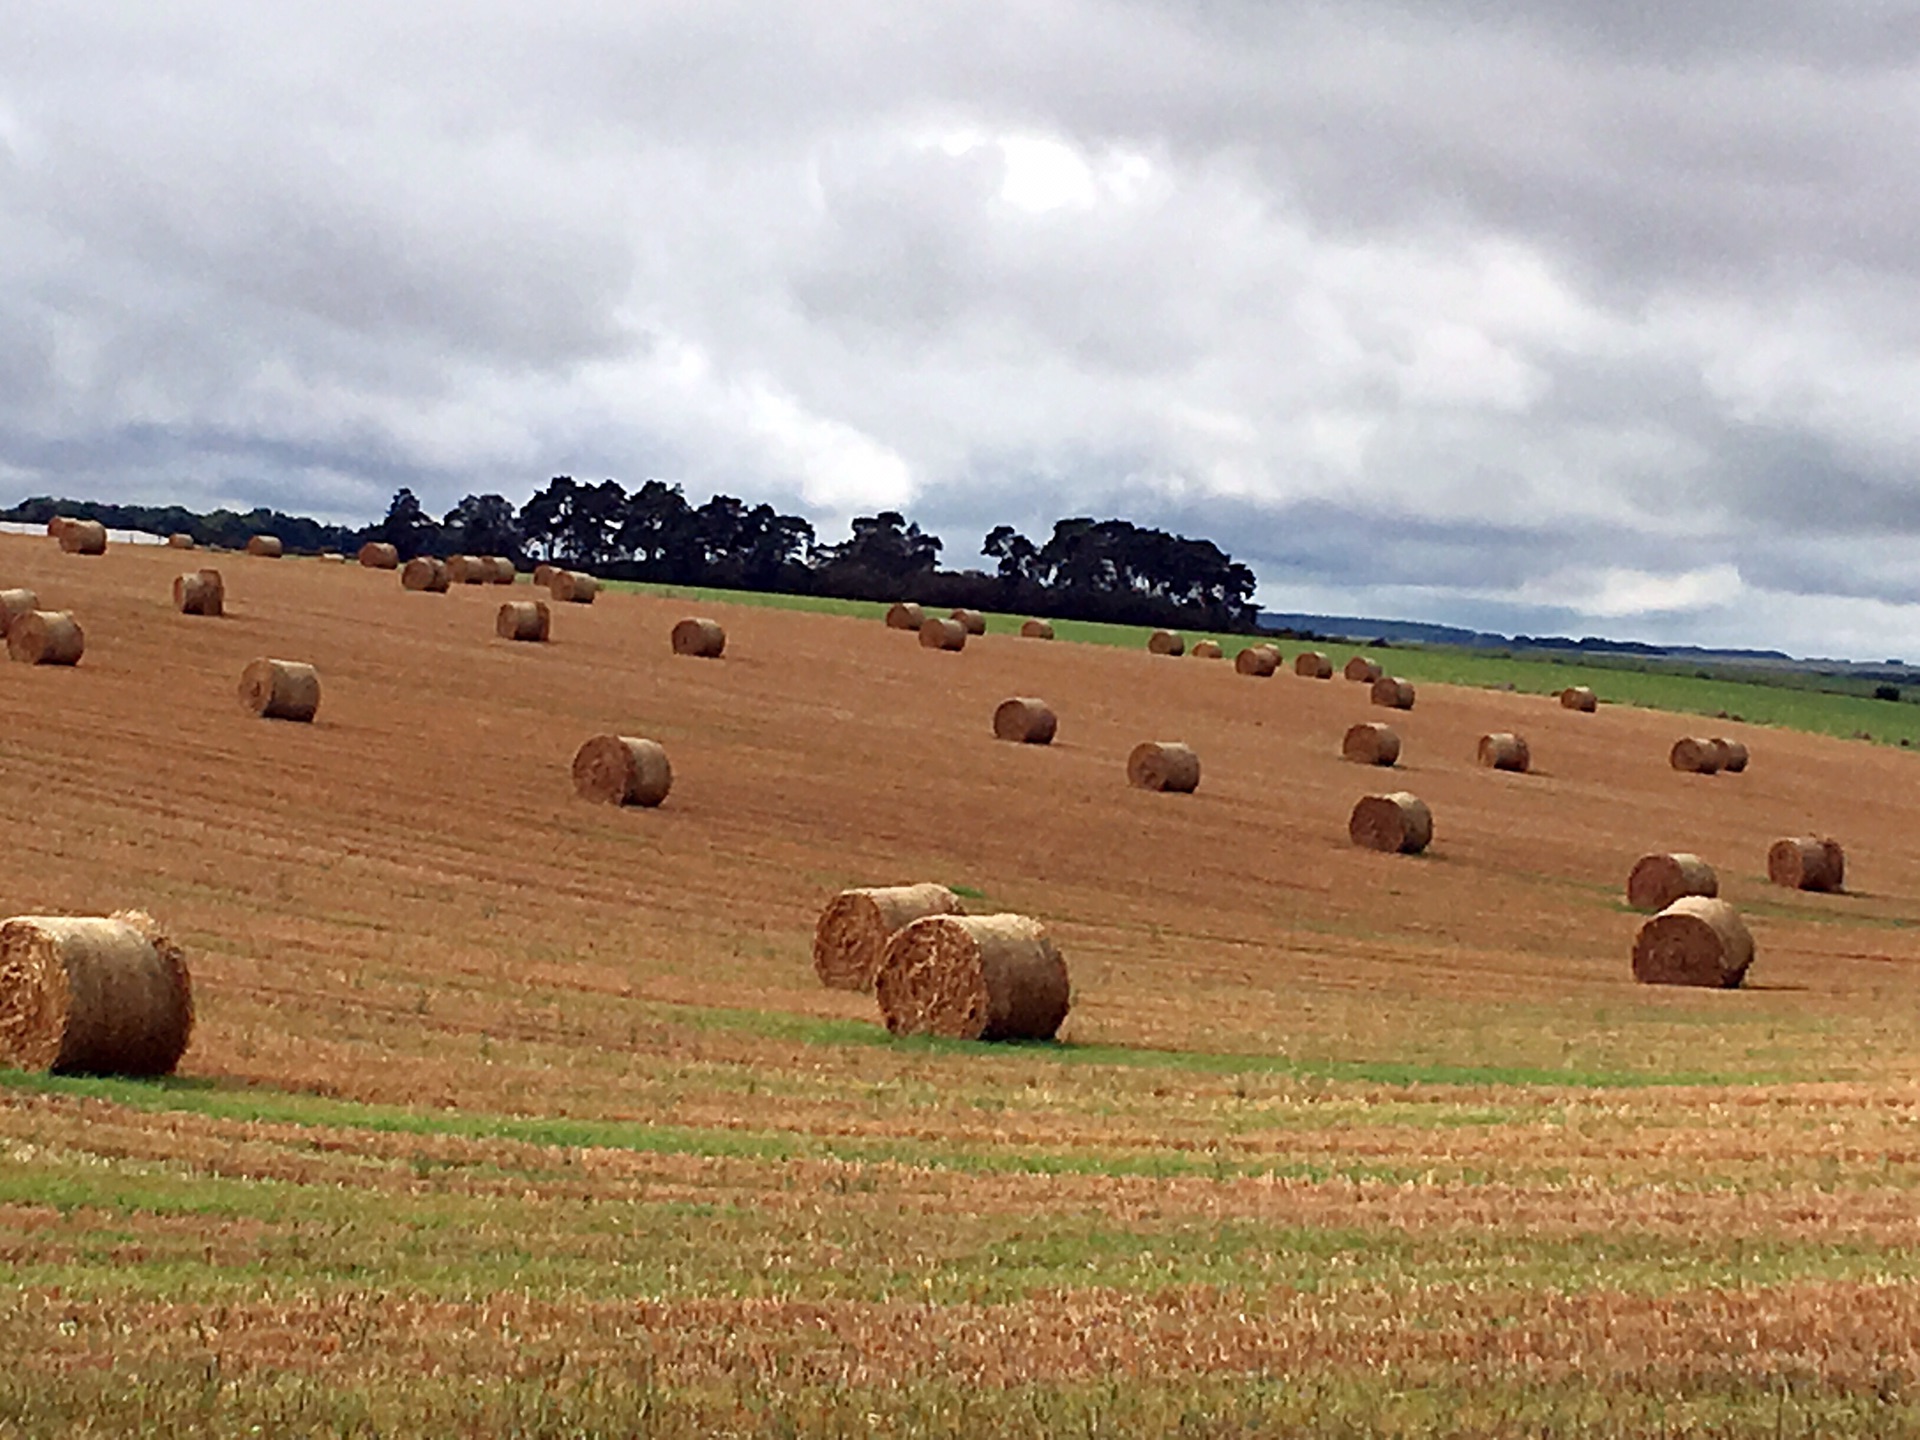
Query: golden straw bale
[[1313, 665], [13, 604], [529, 620], [1694, 941], [850, 939], [1362, 669], [1371, 744], [57, 526], [1503, 750], [1036, 630], [92, 996], [704, 639], [201, 593], [425, 574], [83, 537], [1166, 642], [1657, 880], [1207, 650], [1732, 754], [46, 637], [180, 540], [574, 587], [1807, 862], [1393, 692], [280, 690], [543, 575], [938, 634], [266, 546], [973, 977], [1260, 660], [1025, 720], [905, 615], [378, 555], [1695, 756], [973, 620], [502, 570], [1398, 823], [1164, 765], [469, 570], [622, 770], [1579, 697]]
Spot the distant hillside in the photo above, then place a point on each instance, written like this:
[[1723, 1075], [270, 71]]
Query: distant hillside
[[1400, 632]]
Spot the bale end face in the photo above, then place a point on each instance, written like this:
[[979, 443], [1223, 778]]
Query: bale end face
[[850, 938], [202, 593], [703, 639], [1371, 744], [974, 977], [1164, 765], [622, 770], [1398, 823], [1694, 941], [1363, 670], [1025, 721], [525, 620], [905, 615], [1504, 750], [1731, 754], [1656, 881], [1257, 660], [281, 690], [1393, 692], [1036, 630], [1166, 642], [46, 637], [14, 604], [92, 996], [1313, 665], [1807, 862], [938, 634]]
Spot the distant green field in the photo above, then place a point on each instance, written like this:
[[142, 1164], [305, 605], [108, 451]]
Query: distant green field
[[1787, 700]]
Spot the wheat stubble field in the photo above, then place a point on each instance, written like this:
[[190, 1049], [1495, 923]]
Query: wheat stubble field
[[506, 1113]]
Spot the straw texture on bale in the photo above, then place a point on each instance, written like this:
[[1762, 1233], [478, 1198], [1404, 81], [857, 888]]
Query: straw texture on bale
[[1694, 941], [1370, 744], [378, 555], [268, 546], [543, 575], [1362, 669], [83, 537], [572, 586], [1579, 697], [502, 570], [1393, 692], [92, 996], [850, 938], [1695, 756], [13, 604], [905, 615], [1313, 665], [973, 977], [424, 573], [703, 638], [973, 620], [56, 527], [469, 570], [201, 593], [528, 620], [1656, 881], [1733, 755], [1398, 823], [179, 540], [280, 690], [1261, 660], [1163, 765], [1207, 650], [1807, 862], [1036, 630], [1025, 720], [1166, 642], [46, 637], [622, 770], [938, 634], [1503, 750]]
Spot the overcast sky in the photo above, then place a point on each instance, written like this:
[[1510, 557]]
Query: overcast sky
[[1558, 315]]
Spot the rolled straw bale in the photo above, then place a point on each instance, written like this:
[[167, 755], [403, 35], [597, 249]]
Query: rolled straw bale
[[1579, 697], [938, 634], [502, 570], [702, 638], [180, 540], [469, 570], [1695, 756], [1371, 744], [1025, 720], [1036, 630], [201, 593], [1207, 650], [905, 615], [268, 546], [973, 977], [543, 575], [56, 527], [1807, 862], [975, 622], [1393, 692], [426, 574], [572, 586], [1694, 941], [378, 555], [1397, 823], [1362, 669], [1656, 881], [850, 939], [46, 637], [1733, 755], [1259, 660], [1313, 665], [1164, 765], [83, 537], [280, 690], [529, 620], [1503, 750], [1166, 642], [92, 996], [622, 770], [13, 604]]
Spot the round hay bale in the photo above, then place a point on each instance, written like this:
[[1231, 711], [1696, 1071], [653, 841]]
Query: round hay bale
[[1313, 665], [425, 574], [1694, 941], [1370, 744], [1260, 660], [46, 637], [1807, 862], [1656, 881], [378, 555], [973, 620], [529, 620], [1579, 697], [1166, 642], [1025, 720], [543, 575], [180, 540], [92, 996], [201, 593], [13, 604], [573, 587], [83, 537], [266, 546], [850, 939], [469, 570], [973, 977], [280, 690], [938, 634], [622, 770], [1036, 630], [1398, 823], [1695, 756], [1207, 650], [57, 526], [905, 615], [1164, 765], [1733, 755], [702, 638], [1362, 669], [502, 570], [1393, 692], [1503, 750]]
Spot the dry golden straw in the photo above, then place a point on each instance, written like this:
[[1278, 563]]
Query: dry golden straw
[[974, 622], [1657, 880], [1694, 941], [1579, 697], [850, 939], [543, 575], [1261, 660], [378, 555], [180, 540], [280, 690], [201, 593], [502, 570], [1807, 862], [1503, 750], [1398, 823], [57, 526], [973, 977], [1362, 669], [426, 574], [1166, 642], [1025, 720], [572, 586], [46, 637], [622, 770], [1393, 692], [83, 537], [1370, 744], [1695, 756], [469, 570], [938, 634], [14, 604], [1206, 650], [1163, 765], [704, 639], [92, 996], [1733, 755], [1313, 665], [529, 620], [905, 615], [268, 546], [1036, 630]]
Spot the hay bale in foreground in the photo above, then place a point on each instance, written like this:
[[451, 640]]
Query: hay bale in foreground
[[1164, 765], [622, 770], [573, 587], [1503, 750], [1393, 692], [529, 620], [46, 637], [201, 593], [92, 996], [1371, 744], [704, 639], [83, 537], [1807, 862], [1036, 630], [425, 574], [1579, 697], [1257, 660], [1656, 881], [938, 634], [1694, 941], [1207, 650], [14, 604], [1363, 670], [974, 622], [266, 546], [180, 540], [973, 977], [905, 615], [1398, 823], [280, 690], [1733, 755], [1025, 720], [1166, 642], [850, 938], [1313, 665], [1695, 756], [378, 555]]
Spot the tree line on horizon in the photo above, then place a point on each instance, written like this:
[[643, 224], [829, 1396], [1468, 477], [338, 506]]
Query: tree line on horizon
[[1088, 569]]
